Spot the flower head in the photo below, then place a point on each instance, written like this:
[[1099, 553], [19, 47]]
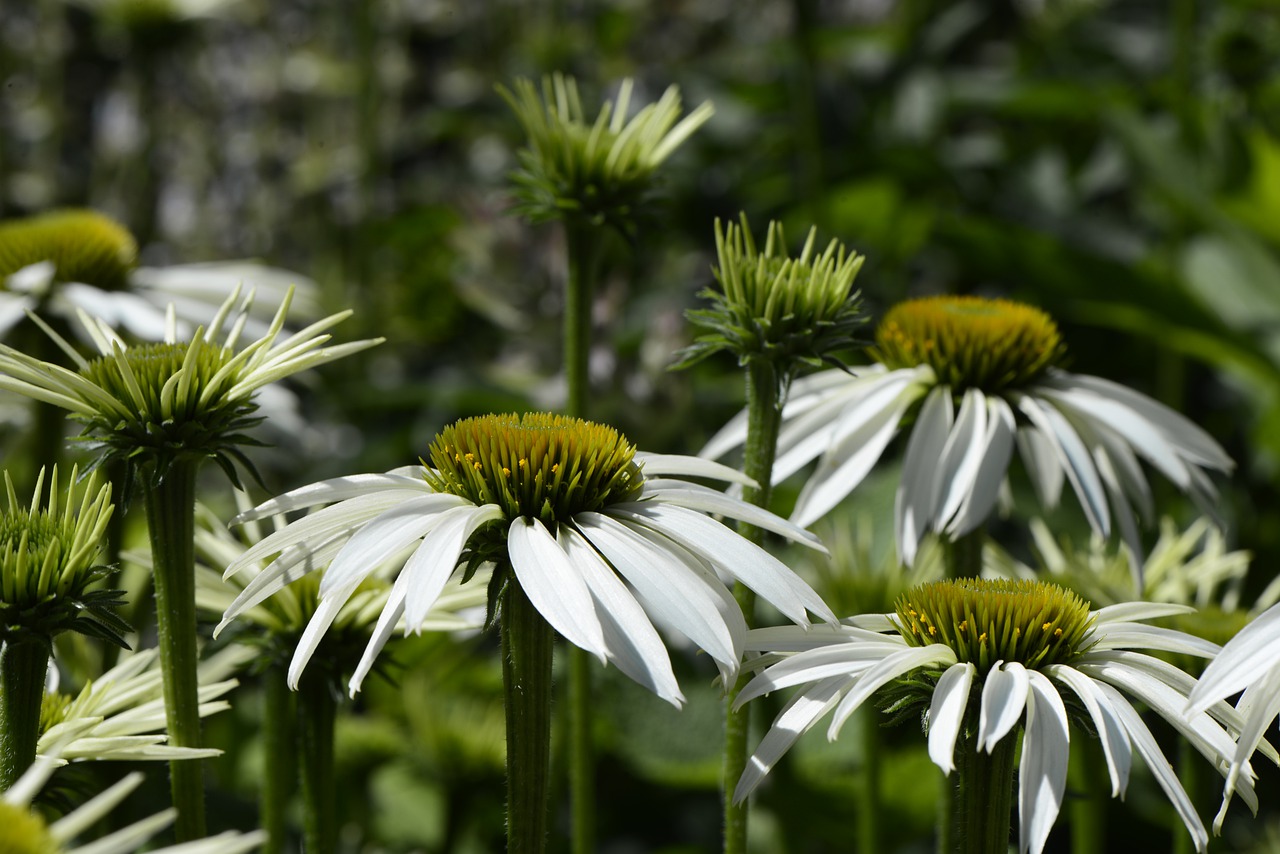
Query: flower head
[[974, 378], [81, 245], [24, 831], [601, 171], [985, 658], [567, 509], [791, 311], [159, 402], [48, 554]]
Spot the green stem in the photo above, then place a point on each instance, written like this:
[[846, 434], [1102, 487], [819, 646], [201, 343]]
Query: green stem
[[317, 709], [279, 770], [171, 502], [1087, 779], [963, 556], [984, 793], [764, 416], [868, 829], [580, 247], [526, 678], [946, 816], [22, 673]]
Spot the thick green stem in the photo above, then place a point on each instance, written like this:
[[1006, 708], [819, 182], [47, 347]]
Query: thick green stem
[[22, 672], [580, 246], [868, 829], [317, 708], [526, 678], [984, 794], [764, 416], [171, 506], [279, 769], [1087, 778], [963, 556]]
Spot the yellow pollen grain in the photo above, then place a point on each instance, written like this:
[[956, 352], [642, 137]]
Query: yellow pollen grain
[[1057, 633], [1045, 627], [933, 631], [982, 638]]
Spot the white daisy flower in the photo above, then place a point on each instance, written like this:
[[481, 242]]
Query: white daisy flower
[[121, 715], [989, 657], [974, 378], [24, 831], [592, 530]]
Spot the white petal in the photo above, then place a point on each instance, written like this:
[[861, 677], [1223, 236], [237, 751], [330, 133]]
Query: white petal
[[705, 500], [982, 495], [1075, 459], [851, 660], [1004, 696], [1041, 460], [293, 564], [331, 491], [382, 538], [961, 456], [434, 561], [800, 638], [1042, 773], [1140, 636], [1125, 612], [884, 672], [795, 720], [732, 553], [682, 466], [1115, 743], [84, 816], [946, 713], [555, 586], [1248, 657], [633, 643], [917, 495], [326, 612], [387, 620], [13, 309]]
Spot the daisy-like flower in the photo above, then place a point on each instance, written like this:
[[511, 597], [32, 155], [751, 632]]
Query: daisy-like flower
[[24, 831], [599, 172], [175, 399], [974, 378], [586, 525], [69, 260], [986, 658], [121, 715]]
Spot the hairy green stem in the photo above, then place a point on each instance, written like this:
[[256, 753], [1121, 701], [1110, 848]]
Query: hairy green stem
[[526, 679], [171, 506], [23, 666], [1087, 779], [764, 417], [317, 709], [581, 248], [984, 793], [279, 768]]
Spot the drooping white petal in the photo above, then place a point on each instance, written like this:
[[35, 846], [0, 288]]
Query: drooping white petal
[[981, 497], [683, 466], [961, 456], [1074, 458], [295, 562], [917, 494], [800, 714], [695, 497], [801, 638], [554, 585], [1139, 636], [1124, 515], [884, 672], [326, 612], [1004, 696], [1259, 705], [1115, 743], [1156, 762], [633, 643], [331, 491], [1125, 612], [1247, 658], [1042, 772], [849, 659], [382, 630], [946, 713], [434, 561], [1041, 461], [732, 553]]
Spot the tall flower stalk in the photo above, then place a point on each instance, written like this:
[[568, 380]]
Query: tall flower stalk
[[776, 314], [594, 177], [164, 409]]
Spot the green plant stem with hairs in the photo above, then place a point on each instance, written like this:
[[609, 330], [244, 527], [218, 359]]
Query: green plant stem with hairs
[[171, 504], [527, 643], [984, 791], [764, 417], [280, 770], [23, 665], [317, 710], [581, 246]]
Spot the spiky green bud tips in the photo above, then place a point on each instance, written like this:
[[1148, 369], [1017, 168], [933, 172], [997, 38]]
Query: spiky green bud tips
[[790, 311], [1031, 622], [47, 563], [600, 172], [83, 246], [970, 342], [545, 466]]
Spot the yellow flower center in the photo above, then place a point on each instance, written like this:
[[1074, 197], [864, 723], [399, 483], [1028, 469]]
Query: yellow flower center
[[1031, 622], [970, 342], [24, 832], [547, 466], [83, 245]]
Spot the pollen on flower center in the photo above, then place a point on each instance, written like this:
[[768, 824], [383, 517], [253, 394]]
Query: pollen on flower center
[[1031, 622], [24, 832], [540, 465], [970, 342]]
